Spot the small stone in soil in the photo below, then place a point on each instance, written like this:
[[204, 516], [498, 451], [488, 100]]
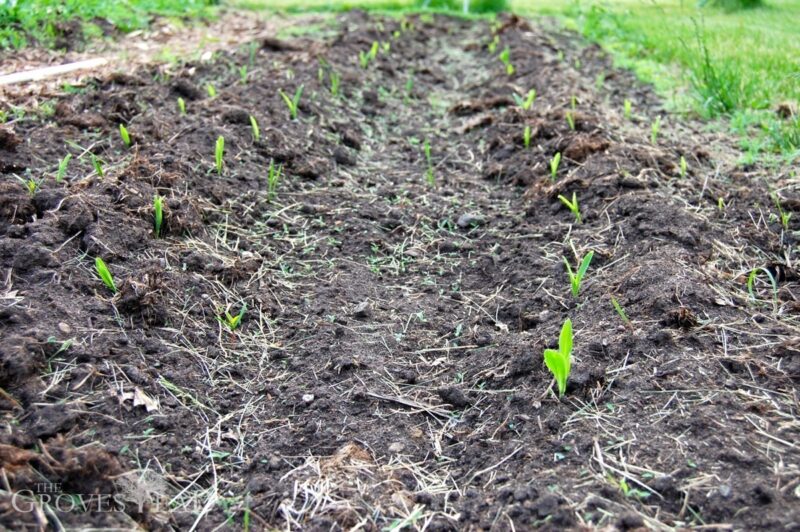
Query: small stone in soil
[[467, 220], [454, 396], [363, 310]]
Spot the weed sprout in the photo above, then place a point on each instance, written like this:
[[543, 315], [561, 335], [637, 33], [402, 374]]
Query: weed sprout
[[620, 311], [273, 178], [572, 206], [429, 177], [576, 278], [336, 80], [105, 274], [62, 168], [782, 215], [654, 129], [751, 280], [559, 362], [98, 166]]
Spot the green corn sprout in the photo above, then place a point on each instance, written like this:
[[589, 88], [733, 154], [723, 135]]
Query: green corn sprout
[[336, 80], [572, 206], [526, 136], [571, 120], [684, 166], [255, 129], [559, 362], [126, 137], [576, 278], [721, 204], [527, 102], [620, 311], [429, 177], [233, 321], [98, 166], [492, 46], [293, 102], [105, 274], [573, 102], [554, 162], [212, 91], [751, 280], [654, 129], [219, 152], [628, 109], [321, 73], [182, 106], [505, 58], [363, 59], [273, 178], [62, 168], [243, 74], [386, 46], [158, 214]]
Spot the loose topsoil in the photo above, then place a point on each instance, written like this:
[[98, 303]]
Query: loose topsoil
[[387, 371]]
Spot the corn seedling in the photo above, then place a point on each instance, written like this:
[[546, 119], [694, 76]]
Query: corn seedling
[[62, 168], [684, 167], [212, 91], [243, 74], [527, 102], [573, 102], [505, 58], [576, 278], [98, 166], [233, 321], [386, 46], [409, 88], [526, 137], [273, 177], [628, 111], [751, 281], [559, 362], [182, 106], [429, 177], [492, 46], [364, 58], [105, 274], [219, 152], [254, 127], [158, 214], [126, 137], [572, 206], [620, 311], [570, 120], [654, 129], [554, 162], [721, 204], [292, 102], [336, 80]]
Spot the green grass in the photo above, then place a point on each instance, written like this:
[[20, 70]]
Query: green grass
[[711, 61], [43, 22]]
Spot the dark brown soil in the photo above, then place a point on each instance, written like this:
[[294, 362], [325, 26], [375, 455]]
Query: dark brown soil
[[388, 369]]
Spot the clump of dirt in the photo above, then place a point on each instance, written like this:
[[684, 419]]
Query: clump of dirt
[[387, 367]]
